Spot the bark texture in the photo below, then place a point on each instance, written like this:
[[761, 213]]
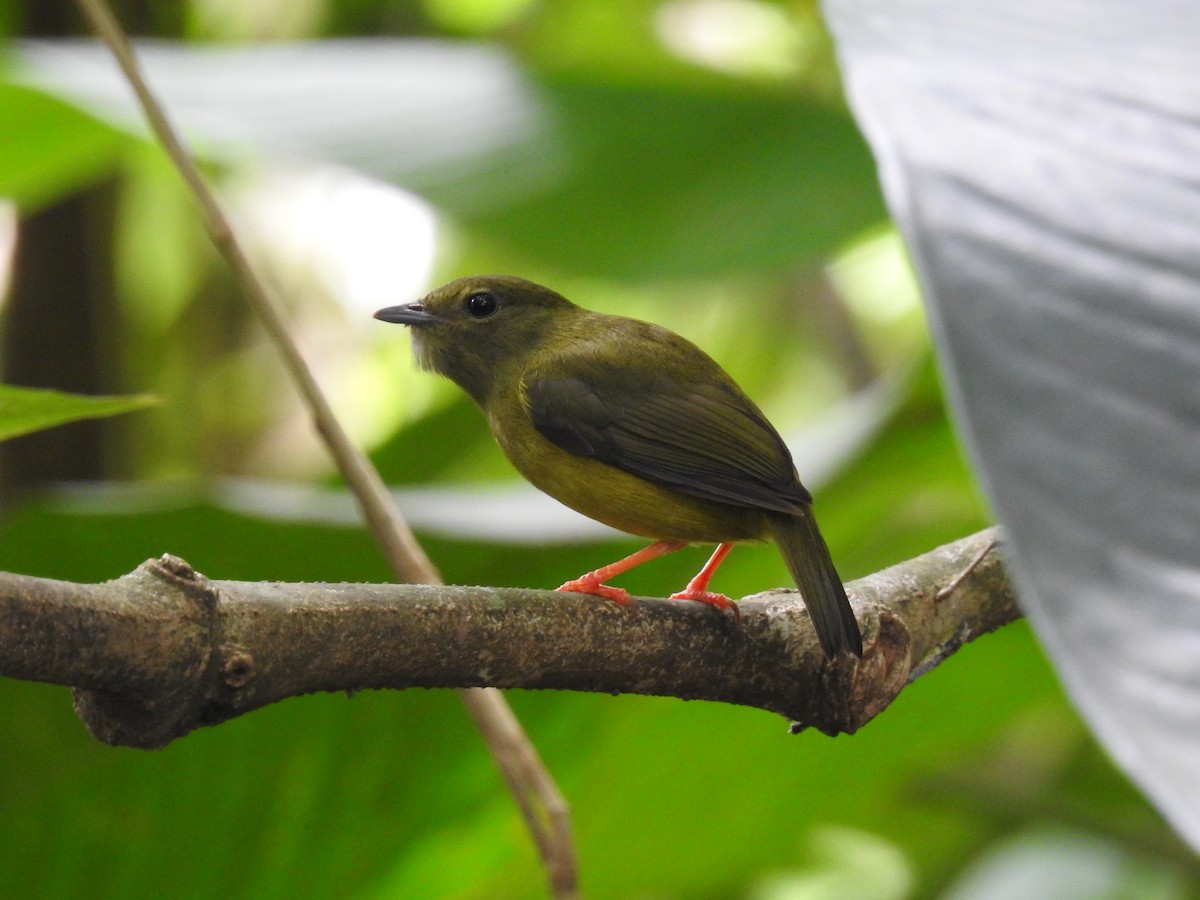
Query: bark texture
[[163, 650]]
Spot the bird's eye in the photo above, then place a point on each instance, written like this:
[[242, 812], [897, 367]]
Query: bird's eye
[[481, 305]]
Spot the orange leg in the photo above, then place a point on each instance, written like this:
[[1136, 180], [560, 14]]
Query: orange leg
[[593, 582], [697, 588]]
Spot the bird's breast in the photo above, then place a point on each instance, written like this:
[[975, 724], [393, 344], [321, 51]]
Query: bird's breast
[[617, 498]]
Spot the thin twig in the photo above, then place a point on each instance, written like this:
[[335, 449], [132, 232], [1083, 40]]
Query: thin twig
[[532, 786], [958, 579], [399, 543]]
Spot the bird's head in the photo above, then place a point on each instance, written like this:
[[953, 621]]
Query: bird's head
[[479, 331]]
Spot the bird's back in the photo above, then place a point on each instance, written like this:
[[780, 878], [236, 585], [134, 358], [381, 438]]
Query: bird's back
[[641, 400]]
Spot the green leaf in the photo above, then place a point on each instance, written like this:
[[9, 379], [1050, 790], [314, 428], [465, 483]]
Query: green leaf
[[671, 184], [24, 410], [51, 148]]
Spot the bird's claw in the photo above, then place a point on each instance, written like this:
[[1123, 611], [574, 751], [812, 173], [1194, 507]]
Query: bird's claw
[[620, 596], [720, 601], [585, 585]]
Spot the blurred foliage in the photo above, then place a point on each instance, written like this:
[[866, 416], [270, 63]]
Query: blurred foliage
[[23, 411], [55, 150], [735, 204]]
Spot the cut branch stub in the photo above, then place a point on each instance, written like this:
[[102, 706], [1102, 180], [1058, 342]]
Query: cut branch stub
[[157, 631]]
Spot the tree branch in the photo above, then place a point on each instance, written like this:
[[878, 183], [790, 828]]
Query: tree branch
[[163, 650]]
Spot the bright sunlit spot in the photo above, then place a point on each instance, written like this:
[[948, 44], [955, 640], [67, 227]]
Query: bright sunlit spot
[[232, 20], [8, 246], [876, 279], [844, 862], [741, 37], [332, 238], [368, 244], [476, 16]]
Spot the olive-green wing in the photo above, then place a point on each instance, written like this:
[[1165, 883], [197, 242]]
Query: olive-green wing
[[703, 439]]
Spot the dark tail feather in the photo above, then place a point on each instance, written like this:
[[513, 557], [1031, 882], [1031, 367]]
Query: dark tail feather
[[811, 566]]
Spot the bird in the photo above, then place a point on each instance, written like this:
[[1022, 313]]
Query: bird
[[632, 425]]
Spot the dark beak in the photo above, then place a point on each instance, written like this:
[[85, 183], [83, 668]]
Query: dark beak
[[408, 314]]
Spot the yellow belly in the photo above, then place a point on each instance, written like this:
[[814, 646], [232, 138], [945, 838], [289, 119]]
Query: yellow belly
[[619, 499]]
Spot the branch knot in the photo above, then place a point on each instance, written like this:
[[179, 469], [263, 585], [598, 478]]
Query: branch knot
[[174, 635]]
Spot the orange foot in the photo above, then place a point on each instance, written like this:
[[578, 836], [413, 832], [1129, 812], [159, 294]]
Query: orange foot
[[720, 601], [586, 585]]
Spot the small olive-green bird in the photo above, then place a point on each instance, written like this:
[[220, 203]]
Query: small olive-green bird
[[632, 425]]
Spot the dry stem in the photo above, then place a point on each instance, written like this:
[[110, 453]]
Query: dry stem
[[534, 789]]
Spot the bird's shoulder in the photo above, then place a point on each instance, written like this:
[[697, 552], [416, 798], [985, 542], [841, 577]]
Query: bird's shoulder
[[600, 342], [606, 368]]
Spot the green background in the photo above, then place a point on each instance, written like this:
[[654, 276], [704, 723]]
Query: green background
[[718, 202]]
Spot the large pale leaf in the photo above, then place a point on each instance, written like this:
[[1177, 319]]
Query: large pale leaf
[[1043, 160]]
